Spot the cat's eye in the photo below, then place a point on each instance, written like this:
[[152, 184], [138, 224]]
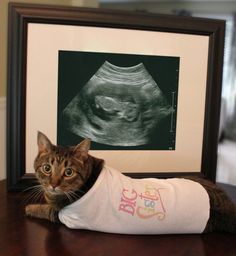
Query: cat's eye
[[47, 168], [68, 172]]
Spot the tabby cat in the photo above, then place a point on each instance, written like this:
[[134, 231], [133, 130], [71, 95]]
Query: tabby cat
[[65, 174]]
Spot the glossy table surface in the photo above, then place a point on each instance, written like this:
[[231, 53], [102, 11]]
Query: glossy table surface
[[24, 236]]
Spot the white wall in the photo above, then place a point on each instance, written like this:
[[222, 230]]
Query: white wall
[[2, 138]]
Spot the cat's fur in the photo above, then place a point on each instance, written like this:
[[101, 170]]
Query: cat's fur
[[66, 173]]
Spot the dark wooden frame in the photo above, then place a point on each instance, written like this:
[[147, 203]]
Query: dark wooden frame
[[20, 15]]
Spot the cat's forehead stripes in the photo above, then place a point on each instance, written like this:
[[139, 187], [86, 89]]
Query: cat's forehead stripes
[[79, 161], [60, 161], [64, 158], [66, 163], [52, 160], [60, 155]]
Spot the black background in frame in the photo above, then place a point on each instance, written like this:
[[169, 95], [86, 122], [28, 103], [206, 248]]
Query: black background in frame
[[75, 70]]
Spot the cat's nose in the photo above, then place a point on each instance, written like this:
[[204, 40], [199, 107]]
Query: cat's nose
[[53, 186], [54, 183]]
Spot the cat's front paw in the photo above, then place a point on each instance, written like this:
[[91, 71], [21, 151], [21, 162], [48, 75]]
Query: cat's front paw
[[42, 211], [30, 210]]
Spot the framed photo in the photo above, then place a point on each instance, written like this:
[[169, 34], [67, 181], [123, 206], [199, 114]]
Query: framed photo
[[145, 88]]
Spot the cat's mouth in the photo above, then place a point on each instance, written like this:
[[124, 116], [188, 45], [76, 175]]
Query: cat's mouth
[[54, 190]]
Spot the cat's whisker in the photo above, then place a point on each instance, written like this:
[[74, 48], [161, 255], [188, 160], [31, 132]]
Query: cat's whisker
[[29, 189], [75, 195], [69, 197], [30, 198], [35, 194], [38, 196], [32, 187], [30, 193]]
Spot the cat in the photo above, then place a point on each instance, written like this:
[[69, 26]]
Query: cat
[[66, 174]]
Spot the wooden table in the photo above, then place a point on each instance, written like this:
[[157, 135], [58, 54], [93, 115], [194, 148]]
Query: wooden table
[[23, 236]]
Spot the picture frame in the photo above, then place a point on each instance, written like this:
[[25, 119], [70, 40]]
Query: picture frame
[[197, 42]]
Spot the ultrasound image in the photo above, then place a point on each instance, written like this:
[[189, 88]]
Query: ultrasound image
[[118, 106]]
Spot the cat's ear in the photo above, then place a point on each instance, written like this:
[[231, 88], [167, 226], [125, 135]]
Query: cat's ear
[[82, 148], [44, 144]]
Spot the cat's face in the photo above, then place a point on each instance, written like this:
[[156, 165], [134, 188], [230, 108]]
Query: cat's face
[[61, 169]]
